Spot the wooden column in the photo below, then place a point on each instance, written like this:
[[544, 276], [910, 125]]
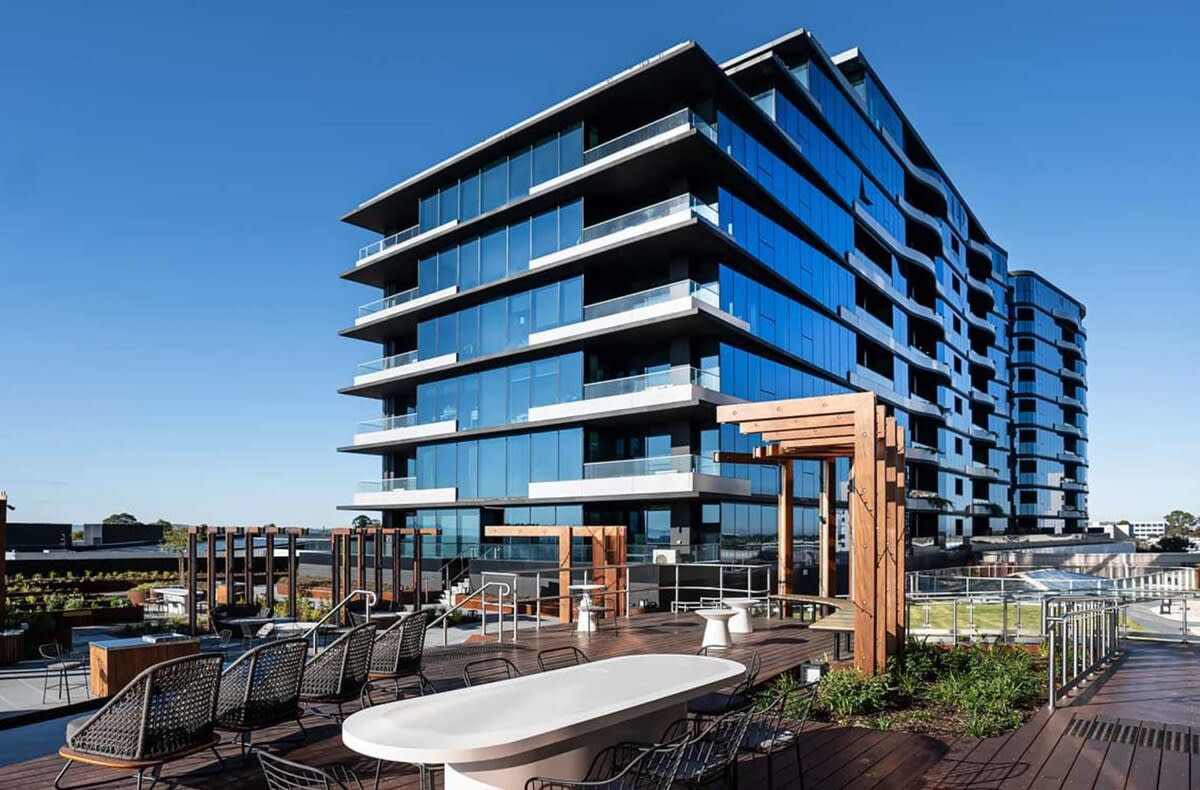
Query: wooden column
[[3, 549], [785, 528], [864, 550], [377, 561], [248, 568], [335, 568], [827, 536], [881, 545], [397, 543], [901, 535], [230, 582], [565, 612], [210, 573], [891, 601], [360, 557], [189, 581], [269, 566], [291, 573], [417, 584]]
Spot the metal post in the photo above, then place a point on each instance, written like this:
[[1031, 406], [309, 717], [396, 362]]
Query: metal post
[[269, 564], [537, 606], [189, 579], [291, 573], [1050, 671], [954, 623]]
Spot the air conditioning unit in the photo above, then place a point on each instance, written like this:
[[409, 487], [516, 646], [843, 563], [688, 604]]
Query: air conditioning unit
[[665, 556]]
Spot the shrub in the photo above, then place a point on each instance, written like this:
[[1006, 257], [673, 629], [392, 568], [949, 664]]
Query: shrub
[[847, 692], [75, 602]]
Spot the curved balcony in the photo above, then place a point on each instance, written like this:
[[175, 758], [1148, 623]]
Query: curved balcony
[[982, 398], [1069, 318], [922, 453], [1067, 428], [982, 434], [980, 361], [869, 272], [1073, 375], [1066, 400], [1070, 484], [1071, 458], [981, 324], [976, 469]]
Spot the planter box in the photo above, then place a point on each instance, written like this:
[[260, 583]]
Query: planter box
[[12, 648], [81, 618]]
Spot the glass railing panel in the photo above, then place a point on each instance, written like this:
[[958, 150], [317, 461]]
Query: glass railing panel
[[395, 361], [637, 467], [645, 381], [652, 129], [390, 484], [663, 293], [390, 241], [386, 302], [388, 423]]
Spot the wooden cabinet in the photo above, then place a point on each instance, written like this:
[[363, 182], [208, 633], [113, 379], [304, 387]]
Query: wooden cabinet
[[115, 662]]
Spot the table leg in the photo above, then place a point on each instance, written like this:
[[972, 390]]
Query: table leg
[[716, 633]]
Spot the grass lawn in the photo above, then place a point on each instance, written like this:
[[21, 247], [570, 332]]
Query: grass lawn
[[987, 618]]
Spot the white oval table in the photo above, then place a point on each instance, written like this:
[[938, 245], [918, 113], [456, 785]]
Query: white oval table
[[551, 724], [741, 623]]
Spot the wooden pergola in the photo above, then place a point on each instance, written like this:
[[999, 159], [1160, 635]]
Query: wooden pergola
[[609, 556], [825, 429], [349, 566], [230, 536]]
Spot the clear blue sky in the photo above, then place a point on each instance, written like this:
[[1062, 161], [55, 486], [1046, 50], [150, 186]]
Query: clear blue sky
[[171, 175]]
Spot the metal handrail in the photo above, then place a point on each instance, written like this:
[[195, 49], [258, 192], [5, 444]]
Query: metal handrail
[[1083, 634], [367, 595], [504, 590]]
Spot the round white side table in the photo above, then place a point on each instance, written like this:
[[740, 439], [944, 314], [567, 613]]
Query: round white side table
[[741, 623], [716, 627], [586, 623]]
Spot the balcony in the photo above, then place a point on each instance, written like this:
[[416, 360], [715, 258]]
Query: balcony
[[400, 492], [398, 304], [1071, 484], [982, 434], [1067, 345], [678, 475], [665, 301], [982, 398], [1068, 428], [677, 386], [400, 428], [398, 241], [646, 221], [1067, 400], [976, 469], [922, 452], [984, 507], [1073, 375], [400, 365], [1069, 318], [1071, 458], [981, 324], [979, 360]]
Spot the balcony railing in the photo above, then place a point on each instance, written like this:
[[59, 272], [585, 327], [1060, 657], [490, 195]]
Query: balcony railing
[[659, 465], [387, 363], [390, 241], [390, 484], [388, 423], [675, 376], [684, 117], [676, 205], [663, 293], [386, 302]]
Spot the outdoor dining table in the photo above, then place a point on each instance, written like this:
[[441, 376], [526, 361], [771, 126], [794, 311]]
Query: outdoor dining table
[[258, 622], [549, 724]]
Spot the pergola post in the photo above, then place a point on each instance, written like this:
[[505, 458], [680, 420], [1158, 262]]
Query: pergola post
[[210, 572], [360, 558], [785, 535], [228, 536], [377, 560], [291, 572], [827, 531], [270, 567], [417, 583], [189, 581], [3, 550], [397, 544], [248, 568]]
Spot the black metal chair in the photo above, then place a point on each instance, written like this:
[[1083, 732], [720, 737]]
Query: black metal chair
[[166, 713], [769, 733], [58, 671], [712, 754], [624, 767], [338, 673], [489, 670], [284, 774], [561, 657], [399, 650], [221, 644], [718, 702], [262, 689]]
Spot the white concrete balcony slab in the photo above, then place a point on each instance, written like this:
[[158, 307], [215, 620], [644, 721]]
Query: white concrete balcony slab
[[391, 430], [409, 237], [400, 366], [399, 304], [679, 385], [401, 492]]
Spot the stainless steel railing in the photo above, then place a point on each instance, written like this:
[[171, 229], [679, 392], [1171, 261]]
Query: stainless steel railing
[[1083, 634], [367, 596]]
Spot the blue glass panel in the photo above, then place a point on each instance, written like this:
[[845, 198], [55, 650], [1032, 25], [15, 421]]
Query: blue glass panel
[[518, 320], [518, 466], [545, 160], [468, 333], [427, 402], [493, 262], [493, 459], [493, 389], [426, 339], [447, 334], [494, 192], [468, 401], [570, 377], [518, 248], [427, 275], [448, 208], [570, 151], [544, 457], [468, 265], [447, 262], [469, 198], [447, 403], [427, 212], [545, 382], [468, 470], [570, 454], [446, 466], [546, 307], [426, 467], [572, 300], [545, 233], [492, 332], [518, 175], [570, 224], [518, 393]]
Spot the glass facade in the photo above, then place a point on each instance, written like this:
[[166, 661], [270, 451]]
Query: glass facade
[[825, 255]]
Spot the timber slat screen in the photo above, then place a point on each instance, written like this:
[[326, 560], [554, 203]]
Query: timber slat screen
[[348, 570], [825, 429], [229, 536]]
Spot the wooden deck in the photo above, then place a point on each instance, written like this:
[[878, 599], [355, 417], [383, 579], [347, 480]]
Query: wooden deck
[[1137, 726]]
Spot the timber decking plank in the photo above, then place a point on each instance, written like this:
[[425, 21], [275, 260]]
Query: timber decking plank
[[1006, 759], [1147, 757], [975, 767], [1174, 767], [1091, 755], [1114, 771], [1026, 766]]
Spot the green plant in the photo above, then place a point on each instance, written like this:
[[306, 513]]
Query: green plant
[[75, 602], [880, 722], [847, 692]]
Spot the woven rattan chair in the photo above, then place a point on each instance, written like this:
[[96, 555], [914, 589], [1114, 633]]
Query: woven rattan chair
[[717, 702], [398, 652], [624, 767], [58, 671], [770, 733], [262, 689], [166, 713], [338, 673], [284, 774], [489, 670], [561, 657]]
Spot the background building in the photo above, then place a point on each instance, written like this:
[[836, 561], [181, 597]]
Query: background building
[[564, 304]]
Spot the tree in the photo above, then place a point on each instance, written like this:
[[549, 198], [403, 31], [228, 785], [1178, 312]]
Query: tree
[[362, 521], [121, 518], [1179, 522], [1173, 543]]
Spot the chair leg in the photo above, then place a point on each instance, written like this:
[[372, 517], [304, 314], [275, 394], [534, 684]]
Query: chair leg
[[799, 764], [45, 683], [303, 732], [66, 684], [61, 774], [770, 770], [378, 771]]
